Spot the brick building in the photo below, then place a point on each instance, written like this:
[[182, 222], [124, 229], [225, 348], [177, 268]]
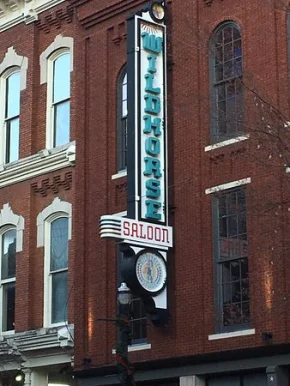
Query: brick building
[[63, 91], [37, 158]]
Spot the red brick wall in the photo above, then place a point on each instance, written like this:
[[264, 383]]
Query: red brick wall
[[101, 53], [99, 30], [26, 198]]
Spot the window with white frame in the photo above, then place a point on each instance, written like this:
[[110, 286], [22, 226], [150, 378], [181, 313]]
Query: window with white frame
[[13, 76], [59, 97], [8, 278], [54, 233], [122, 122], [11, 242], [10, 85], [56, 261], [56, 65]]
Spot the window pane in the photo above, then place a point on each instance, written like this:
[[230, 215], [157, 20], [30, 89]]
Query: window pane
[[61, 78], [138, 321], [8, 307], [13, 95], [59, 244], [227, 71], [61, 123], [231, 257], [8, 265], [12, 140], [122, 123], [59, 297]]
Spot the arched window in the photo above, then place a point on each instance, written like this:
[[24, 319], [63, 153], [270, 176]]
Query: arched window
[[11, 241], [122, 122], [60, 98], [58, 269], [54, 233], [8, 278], [226, 75], [11, 107], [56, 65], [13, 75]]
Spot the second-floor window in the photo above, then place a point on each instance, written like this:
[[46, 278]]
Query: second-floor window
[[60, 99], [58, 269], [8, 279], [231, 259], [11, 116]]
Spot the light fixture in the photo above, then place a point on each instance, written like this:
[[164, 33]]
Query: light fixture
[[19, 377], [124, 294], [157, 11]]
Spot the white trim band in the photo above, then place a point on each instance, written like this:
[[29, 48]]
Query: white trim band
[[41, 163], [226, 143], [228, 185], [136, 347], [122, 173], [233, 334]]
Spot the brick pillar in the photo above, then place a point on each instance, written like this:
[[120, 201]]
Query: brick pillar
[[276, 376], [192, 380]]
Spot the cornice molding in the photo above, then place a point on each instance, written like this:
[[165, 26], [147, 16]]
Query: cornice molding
[[23, 347], [88, 18], [44, 162], [13, 12]]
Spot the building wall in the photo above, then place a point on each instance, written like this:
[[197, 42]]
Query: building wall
[[101, 46], [29, 195]]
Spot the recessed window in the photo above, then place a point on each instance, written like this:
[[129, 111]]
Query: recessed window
[[122, 122], [138, 318], [61, 99], [138, 321], [12, 113], [58, 269], [226, 74], [231, 259], [8, 279]]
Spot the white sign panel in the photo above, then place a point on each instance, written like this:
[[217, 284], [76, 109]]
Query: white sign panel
[[136, 231]]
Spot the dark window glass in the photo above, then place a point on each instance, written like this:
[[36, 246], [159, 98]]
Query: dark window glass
[[8, 273], [61, 99], [122, 123], [12, 112], [138, 321], [255, 379], [59, 297], [58, 269], [231, 256], [138, 317], [226, 83]]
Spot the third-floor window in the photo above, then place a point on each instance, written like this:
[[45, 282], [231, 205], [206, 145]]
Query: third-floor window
[[11, 117], [61, 99]]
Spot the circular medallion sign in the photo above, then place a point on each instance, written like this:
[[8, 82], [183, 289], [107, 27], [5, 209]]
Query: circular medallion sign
[[157, 12], [151, 271]]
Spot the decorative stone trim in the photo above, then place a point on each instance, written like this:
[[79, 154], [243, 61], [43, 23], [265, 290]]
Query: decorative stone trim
[[228, 185], [232, 334], [14, 12], [44, 162], [57, 206], [226, 143], [11, 59], [7, 217], [58, 43], [54, 345]]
